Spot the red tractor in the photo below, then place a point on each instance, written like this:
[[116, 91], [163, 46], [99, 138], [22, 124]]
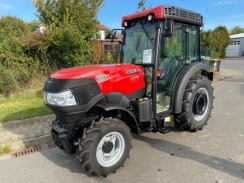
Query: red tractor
[[160, 83]]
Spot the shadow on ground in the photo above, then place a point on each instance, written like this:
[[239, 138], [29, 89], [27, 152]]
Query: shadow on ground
[[182, 151], [68, 161]]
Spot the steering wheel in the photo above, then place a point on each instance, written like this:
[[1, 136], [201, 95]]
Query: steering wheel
[[137, 60]]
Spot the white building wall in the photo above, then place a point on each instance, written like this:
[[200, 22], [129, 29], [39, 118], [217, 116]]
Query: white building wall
[[102, 34], [236, 48]]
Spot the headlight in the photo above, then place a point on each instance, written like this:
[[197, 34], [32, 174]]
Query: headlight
[[66, 98]]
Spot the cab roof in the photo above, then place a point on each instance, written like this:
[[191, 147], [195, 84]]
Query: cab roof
[[167, 12]]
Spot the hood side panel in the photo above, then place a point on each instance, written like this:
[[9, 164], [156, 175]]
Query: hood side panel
[[124, 78]]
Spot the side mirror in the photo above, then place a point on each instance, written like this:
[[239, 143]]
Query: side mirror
[[168, 28], [114, 32], [113, 35]]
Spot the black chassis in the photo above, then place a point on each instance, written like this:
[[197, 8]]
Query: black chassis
[[65, 135]]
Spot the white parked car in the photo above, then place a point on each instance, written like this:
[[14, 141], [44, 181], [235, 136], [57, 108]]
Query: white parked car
[[205, 57]]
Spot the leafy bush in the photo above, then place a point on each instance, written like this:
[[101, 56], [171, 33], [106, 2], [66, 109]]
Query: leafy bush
[[236, 30], [72, 29], [13, 80], [218, 40], [22, 55], [5, 150], [11, 26], [68, 47], [35, 46]]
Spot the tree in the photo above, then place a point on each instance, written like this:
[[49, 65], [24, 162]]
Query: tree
[[236, 30], [33, 24], [141, 5], [206, 46], [205, 39], [220, 39], [72, 29]]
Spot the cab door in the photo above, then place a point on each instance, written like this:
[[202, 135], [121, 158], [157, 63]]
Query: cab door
[[170, 62], [182, 45]]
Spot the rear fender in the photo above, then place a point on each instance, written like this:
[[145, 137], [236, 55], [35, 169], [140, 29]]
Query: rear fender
[[182, 81], [131, 121]]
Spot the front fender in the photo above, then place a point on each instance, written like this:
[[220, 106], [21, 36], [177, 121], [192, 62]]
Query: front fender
[[182, 81], [108, 107]]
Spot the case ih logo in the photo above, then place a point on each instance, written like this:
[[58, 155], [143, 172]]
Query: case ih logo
[[133, 71], [102, 77]]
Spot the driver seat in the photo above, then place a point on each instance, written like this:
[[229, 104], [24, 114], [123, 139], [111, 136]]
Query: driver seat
[[168, 66]]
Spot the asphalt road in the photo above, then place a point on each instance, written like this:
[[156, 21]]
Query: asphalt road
[[214, 154]]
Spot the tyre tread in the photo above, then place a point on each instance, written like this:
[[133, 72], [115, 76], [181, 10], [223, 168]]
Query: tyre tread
[[182, 119], [85, 142]]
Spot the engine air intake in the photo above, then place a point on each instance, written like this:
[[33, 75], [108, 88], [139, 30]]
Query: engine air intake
[[183, 15]]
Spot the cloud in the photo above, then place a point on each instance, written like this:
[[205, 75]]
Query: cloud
[[220, 3], [5, 6], [232, 17]]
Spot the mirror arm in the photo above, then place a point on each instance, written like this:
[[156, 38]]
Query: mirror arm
[[113, 33]]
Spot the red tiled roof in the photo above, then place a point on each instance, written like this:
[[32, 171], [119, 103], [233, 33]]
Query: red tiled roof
[[119, 36], [100, 26]]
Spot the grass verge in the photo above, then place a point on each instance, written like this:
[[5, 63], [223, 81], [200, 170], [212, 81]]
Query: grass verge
[[5, 150], [25, 104]]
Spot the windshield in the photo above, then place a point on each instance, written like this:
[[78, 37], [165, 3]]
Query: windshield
[[139, 43]]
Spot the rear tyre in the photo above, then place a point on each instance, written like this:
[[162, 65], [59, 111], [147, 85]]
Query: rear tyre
[[105, 146], [197, 104]]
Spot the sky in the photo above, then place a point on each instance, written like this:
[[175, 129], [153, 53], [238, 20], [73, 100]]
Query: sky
[[215, 12]]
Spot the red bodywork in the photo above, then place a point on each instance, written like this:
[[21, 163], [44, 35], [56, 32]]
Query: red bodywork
[[158, 13], [125, 78]]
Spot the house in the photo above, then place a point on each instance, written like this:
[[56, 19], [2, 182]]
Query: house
[[39, 28], [102, 31], [106, 46], [236, 47]]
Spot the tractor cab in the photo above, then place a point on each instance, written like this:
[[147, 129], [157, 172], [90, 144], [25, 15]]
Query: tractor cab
[[163, 40]]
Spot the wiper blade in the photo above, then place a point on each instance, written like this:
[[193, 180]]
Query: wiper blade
[[148, 37]]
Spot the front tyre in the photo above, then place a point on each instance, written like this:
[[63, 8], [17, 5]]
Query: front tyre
[[197, 104], [105, 146]]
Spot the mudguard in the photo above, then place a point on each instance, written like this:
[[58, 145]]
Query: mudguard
[[182, 81], [110, 107]]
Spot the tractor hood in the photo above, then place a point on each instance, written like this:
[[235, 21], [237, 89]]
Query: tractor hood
[[125, 78], [93, 71]]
